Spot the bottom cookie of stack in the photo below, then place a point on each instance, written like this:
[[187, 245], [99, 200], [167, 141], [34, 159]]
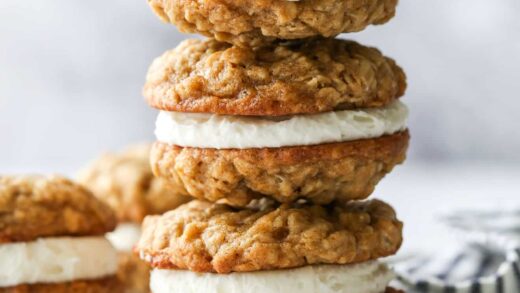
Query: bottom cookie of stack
[[204, 247]]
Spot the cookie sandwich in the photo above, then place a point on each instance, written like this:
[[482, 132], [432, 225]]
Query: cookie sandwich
[[125, 182], [52, 237], [318, 120]]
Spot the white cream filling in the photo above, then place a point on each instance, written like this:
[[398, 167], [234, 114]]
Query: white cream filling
[[370, 277], [125, 236], [225, 131], [56, 260]]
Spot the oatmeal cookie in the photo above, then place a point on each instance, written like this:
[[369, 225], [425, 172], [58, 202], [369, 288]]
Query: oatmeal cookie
[[43, 206], [125, 182], [259, 22], [206, 237], [106, 285], [299, 77], [320, 173]]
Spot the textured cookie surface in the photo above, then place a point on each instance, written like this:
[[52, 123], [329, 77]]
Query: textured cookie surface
[[282, 79], [133, 273], [106, 285], [257, 22], [125, 182], [319, 173], [206, 237], [43, 206]]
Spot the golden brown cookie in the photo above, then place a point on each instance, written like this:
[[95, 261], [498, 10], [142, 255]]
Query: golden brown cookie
[[125, 182], [205, 237], [42, 206], [258, 22], [106, 285], [320, 173], [133, 273], [282, 79]]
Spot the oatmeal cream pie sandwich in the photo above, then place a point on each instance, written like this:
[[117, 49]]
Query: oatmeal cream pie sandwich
[[125, 182], [207, 247], [52, 238], [318, 120], [258, 22]]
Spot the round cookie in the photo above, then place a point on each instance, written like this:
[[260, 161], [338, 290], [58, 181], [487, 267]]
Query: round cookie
[[319, 173], [258, 22], [285, 78], [106, 285], [205, 237], [125, 182], [40, 206]]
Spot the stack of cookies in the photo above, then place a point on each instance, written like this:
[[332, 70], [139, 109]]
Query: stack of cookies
[[280, 132]]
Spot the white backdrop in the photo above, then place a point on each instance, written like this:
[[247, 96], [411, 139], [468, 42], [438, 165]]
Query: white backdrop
[[71, 73]]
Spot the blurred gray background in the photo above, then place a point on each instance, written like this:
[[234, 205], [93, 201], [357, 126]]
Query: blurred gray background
[[71, 74]]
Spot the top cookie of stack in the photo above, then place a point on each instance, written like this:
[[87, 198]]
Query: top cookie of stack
[[257, 22], [316, 119]]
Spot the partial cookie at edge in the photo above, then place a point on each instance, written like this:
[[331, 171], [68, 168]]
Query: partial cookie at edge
[[44, 206], [205, 237], [259, 22], [298, 77]]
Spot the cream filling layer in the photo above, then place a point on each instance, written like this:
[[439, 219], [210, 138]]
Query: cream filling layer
[[125, 236], [226, 131], [369, 277], [56, 260]]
